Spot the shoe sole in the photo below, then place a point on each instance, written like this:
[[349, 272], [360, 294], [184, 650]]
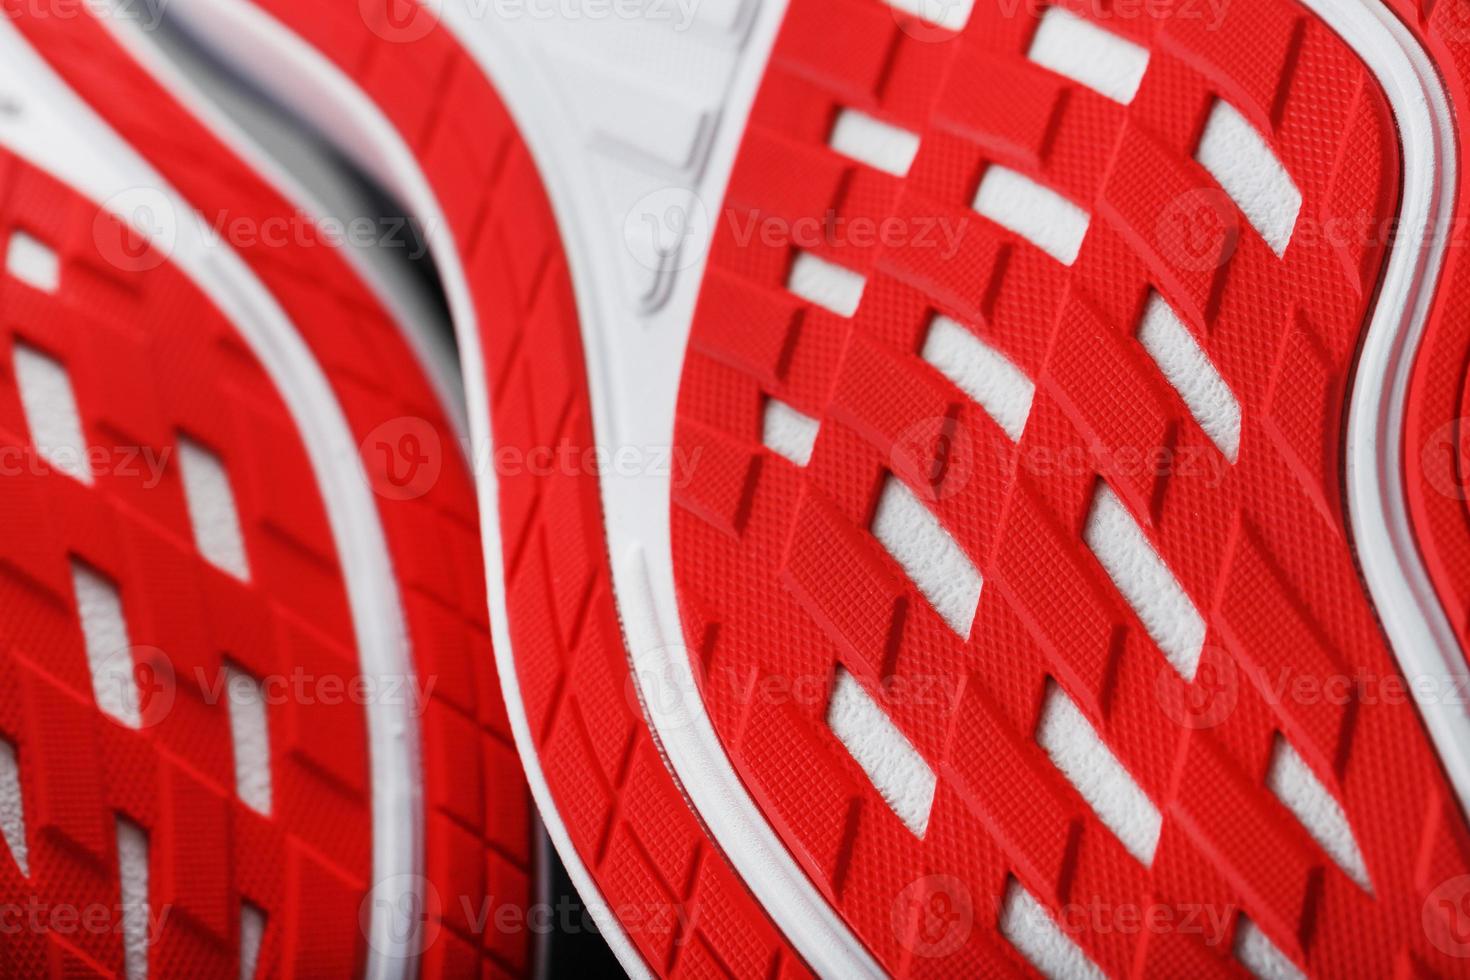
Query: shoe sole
[[866, 532], [288, 558]]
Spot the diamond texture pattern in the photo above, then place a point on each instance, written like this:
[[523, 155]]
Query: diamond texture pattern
[[796, 586]]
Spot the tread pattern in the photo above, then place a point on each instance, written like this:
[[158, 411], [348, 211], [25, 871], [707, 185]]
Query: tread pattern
[[1437, 432], [680, 902], [151, 359], [781, 581], [479, 820]]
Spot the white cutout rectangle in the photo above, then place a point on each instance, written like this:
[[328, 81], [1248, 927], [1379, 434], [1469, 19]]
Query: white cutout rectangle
[[1080, 50], [895, 767], [826, 284], [250, 739], [1027, 925], [252, 932], [789, 433], [1145, 582], [132, 867], [1078, 752], [949, 14], [212, 510], [982, 372], [1186, 366], [51, 412], [109, 651], [33, 262], [1259, 955], [1243, 164], [1038, 214], [1301, 792], [929, 555], [12, 809], [882, 146]]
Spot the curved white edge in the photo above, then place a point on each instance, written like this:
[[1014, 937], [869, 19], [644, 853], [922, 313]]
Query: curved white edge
[[627, 410], [1382, 526], [634, 367], [285, 66], [434, 351], [69, 141]]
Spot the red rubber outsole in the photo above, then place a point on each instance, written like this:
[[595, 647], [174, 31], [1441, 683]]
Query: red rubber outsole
[[1437, 460], [308, 865], [1261, 543], [679, 901], [782, 580]]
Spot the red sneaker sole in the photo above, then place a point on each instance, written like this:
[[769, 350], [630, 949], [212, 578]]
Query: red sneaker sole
[[1060, 576], [350, 590]]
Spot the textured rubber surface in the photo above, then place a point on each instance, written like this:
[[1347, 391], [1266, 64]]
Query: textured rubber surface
[[150, 358], [1437, 440], [156, 360], [677, 897], [782, 581]]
